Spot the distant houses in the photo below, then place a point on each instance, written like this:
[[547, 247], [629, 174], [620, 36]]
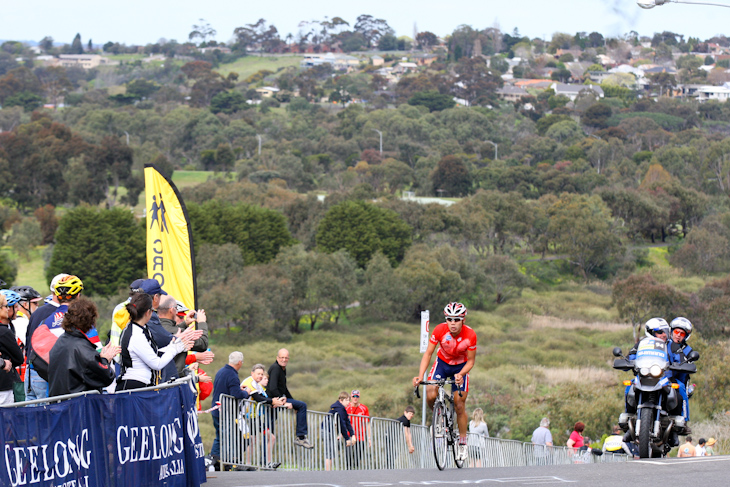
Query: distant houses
[[339, 62], [86, 61]]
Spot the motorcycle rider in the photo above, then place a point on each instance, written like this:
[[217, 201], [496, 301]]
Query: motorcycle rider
[[654, 328]]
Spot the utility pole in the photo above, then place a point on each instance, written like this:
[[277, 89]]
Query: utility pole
[[381, 141]]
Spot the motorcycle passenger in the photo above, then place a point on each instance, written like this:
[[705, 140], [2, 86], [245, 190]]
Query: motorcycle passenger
[[679, 349]]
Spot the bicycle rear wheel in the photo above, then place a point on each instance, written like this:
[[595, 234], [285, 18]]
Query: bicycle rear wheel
[[440, 435]]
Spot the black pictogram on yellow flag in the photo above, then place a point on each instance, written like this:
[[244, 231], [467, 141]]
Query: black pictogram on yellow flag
[[170, 257]]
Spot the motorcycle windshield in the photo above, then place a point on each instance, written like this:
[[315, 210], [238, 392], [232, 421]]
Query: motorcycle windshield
[[651, 352]]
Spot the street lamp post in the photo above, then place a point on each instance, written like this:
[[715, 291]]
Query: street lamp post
[[654, 3], [495, 149], [381, 141]]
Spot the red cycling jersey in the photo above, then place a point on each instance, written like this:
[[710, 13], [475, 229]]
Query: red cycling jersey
[[453, 350]]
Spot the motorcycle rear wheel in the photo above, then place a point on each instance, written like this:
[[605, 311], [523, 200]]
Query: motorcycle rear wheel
[[647, 421]]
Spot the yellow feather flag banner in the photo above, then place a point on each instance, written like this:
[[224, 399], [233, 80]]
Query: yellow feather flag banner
[[170, 257]]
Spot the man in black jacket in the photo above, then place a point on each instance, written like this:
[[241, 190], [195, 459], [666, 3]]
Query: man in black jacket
[[77, 365], [167, 311], [277, 388]]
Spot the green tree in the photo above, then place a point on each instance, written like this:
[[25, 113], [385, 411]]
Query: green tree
[[596, 116], [259, 232], [8, 269], [476, 83], [55, 83], [640, 297], [382, 293], [228, 102], [362, 229], [29, 101], [25, 236], [43, 149], [141, 89], [77, 47], [217, 264], [429, 280], [582, 228], [505, 276], [426, 39], [164, 165], [48, 221], [433, 100], [388, 42], [105, 248], [452, 177], [331, 286]]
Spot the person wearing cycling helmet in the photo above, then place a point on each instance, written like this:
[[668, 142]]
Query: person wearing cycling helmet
[[10, 354], [455, 358], [29, 299], [18, 326], [43, 330]]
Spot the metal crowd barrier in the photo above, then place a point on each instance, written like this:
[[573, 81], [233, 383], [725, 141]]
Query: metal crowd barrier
[[259, 436], [66, 397]]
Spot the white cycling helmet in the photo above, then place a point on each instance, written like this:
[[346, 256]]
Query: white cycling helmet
[[455, 310], [657, 325], [682, 324]]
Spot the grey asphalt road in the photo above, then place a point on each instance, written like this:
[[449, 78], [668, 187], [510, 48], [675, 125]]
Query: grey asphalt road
[[707, 472]]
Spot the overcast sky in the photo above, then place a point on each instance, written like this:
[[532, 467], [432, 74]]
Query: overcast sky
[[146, 21]]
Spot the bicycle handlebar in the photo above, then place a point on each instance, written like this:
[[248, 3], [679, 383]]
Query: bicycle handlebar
[[440, 382]]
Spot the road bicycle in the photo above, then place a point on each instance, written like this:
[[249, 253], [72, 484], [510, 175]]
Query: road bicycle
[[443, 427]]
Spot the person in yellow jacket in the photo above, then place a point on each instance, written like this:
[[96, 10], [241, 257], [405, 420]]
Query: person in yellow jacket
[[616, 444]]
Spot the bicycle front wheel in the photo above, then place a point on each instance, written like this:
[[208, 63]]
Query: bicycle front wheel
[[440, 435]]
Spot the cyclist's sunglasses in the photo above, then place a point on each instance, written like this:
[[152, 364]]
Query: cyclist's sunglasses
[[450, 318], [679, 333]]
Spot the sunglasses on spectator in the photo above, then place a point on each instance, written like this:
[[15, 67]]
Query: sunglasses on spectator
[[454, 319]]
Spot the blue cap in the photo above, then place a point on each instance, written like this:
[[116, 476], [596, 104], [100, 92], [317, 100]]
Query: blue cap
[[148, 286]]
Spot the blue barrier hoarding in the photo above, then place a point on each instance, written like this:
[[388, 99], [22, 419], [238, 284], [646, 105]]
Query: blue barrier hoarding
[[120, 440]]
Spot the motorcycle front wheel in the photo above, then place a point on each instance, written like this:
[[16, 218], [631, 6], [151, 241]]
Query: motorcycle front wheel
[[647, 421]]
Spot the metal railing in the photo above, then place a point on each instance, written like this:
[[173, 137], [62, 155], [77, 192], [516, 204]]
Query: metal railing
[[259, 436]]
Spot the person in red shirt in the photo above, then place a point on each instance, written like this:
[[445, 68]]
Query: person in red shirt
[[456, 355], [361, 424]]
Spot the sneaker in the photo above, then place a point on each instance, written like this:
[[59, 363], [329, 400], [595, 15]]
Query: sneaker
[[273, 465], [462, 454], [303, 442]]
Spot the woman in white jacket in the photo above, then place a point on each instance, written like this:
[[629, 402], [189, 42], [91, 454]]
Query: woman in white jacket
[[141, 359]]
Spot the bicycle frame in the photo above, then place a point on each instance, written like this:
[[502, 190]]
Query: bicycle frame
[[443, 430]]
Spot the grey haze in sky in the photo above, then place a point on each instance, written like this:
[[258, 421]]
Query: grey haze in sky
[[147, 21]]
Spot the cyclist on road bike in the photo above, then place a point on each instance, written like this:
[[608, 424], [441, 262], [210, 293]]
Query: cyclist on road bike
[[455, 358]]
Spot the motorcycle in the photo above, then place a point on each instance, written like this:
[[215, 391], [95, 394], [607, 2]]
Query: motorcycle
[[651, 397]]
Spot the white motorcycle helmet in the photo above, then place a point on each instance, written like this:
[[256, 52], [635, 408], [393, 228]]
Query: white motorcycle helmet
[[682, 323], [657, 325]]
